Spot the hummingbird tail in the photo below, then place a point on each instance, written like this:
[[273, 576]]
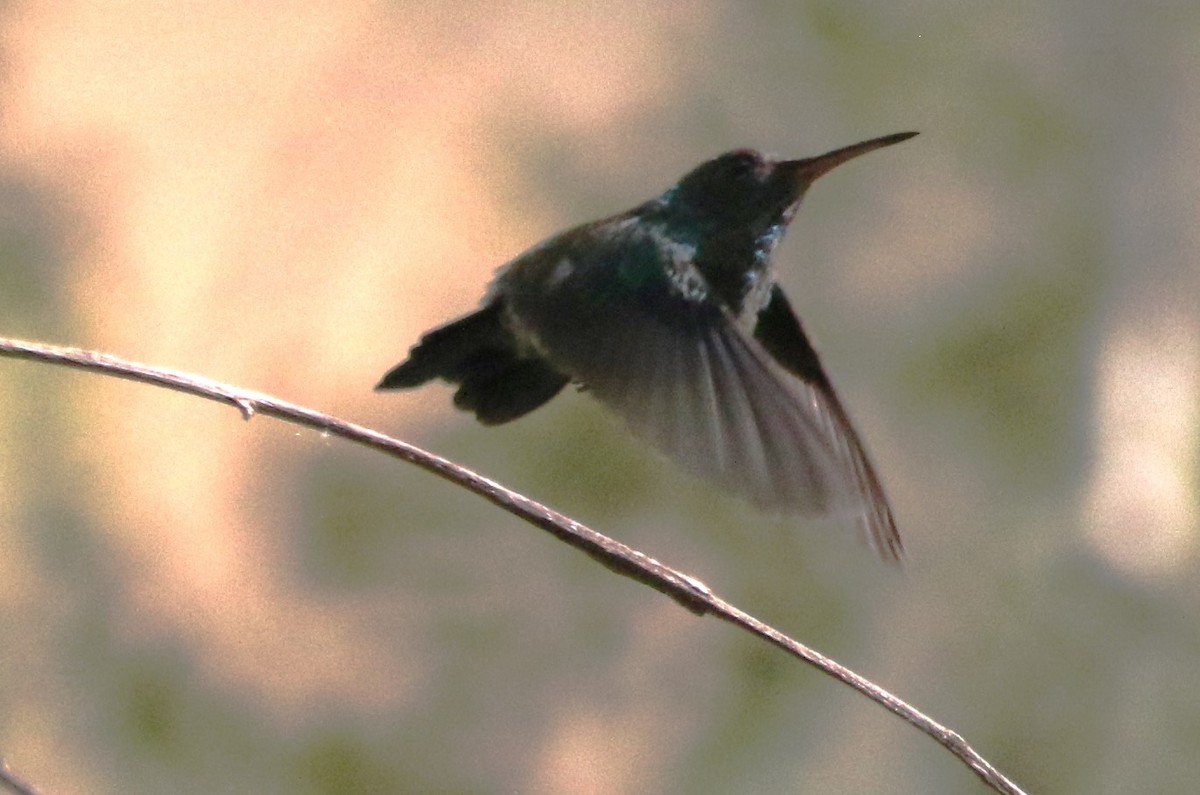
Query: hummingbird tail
[[478, 353], [448, 351]]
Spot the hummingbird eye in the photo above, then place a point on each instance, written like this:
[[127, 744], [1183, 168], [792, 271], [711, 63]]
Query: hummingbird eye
[[731, 180], [743, 165]]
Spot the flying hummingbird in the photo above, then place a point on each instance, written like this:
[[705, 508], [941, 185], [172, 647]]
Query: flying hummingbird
[[669, 314]]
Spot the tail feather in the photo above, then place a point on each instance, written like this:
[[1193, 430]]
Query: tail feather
[[512, 391], [478, 353], [451, 351]]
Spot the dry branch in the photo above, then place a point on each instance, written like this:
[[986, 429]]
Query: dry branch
[[688, 591]]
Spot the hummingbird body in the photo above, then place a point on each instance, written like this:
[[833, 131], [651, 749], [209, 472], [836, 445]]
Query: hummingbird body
[[669, 314]]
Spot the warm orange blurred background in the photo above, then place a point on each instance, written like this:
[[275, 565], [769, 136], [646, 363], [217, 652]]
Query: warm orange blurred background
[[282, 196]]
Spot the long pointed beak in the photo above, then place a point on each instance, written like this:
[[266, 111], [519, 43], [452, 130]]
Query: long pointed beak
[[810, 168]]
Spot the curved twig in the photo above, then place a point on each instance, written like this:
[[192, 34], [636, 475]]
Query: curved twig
[[10, 782], [688, 591]]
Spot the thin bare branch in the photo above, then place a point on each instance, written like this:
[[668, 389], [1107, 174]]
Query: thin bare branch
[[10, 782], [688, 591]]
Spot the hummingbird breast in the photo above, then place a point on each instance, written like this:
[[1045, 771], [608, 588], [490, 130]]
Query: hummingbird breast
[[738, 270]]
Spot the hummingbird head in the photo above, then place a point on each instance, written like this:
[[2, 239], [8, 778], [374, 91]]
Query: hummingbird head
[[748, 191]]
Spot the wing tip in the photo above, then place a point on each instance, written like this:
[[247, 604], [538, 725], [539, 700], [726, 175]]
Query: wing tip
[[882, 536]]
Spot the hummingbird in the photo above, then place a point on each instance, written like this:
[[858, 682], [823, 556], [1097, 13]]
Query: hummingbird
[[670, 315]]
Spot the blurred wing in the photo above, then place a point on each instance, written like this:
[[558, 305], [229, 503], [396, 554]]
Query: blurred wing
[[781, 334], [682, 374], [712, 399]]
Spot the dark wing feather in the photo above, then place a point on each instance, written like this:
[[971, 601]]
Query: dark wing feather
[[684, 375], [781, 334]]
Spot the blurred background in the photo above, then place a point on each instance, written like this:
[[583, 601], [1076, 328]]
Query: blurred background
[[283, 195]]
